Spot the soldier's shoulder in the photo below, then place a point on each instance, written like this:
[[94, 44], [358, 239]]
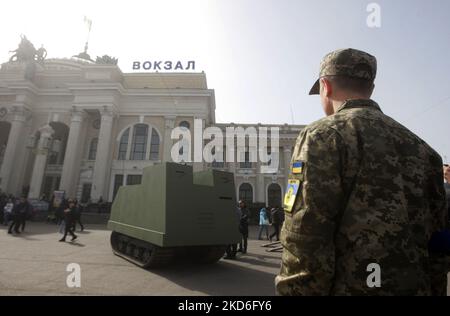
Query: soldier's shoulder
[[409, 136], [324, 126]]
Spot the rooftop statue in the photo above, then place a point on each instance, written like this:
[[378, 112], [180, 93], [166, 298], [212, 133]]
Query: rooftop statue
[[41, 54], [106, 59], [26, 52]]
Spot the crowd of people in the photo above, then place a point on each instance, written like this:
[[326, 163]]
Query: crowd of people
[[275, 219], [16, 211]]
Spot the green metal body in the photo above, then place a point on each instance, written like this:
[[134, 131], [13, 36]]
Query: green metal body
[[175, 207]]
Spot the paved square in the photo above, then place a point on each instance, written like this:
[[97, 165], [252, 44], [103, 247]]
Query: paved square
[[34, 263]]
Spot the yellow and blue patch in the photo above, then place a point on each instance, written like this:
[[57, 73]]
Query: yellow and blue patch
[[291, 194], [297, 167]]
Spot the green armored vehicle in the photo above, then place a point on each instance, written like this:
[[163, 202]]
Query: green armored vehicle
[[173, 213]]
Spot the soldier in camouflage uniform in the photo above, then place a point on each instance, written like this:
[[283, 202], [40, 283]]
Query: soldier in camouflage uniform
[[362, 189]]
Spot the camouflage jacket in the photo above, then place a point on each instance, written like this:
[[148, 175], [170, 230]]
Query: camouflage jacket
[[369, 191]]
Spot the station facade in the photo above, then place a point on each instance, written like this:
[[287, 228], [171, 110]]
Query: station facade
[[88, 128]]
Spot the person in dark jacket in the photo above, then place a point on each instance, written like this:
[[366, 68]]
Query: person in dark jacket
[[19, 215], [276, 223], [77, 216], [243, 226], [68, 219], [59, 215], [25, 212], [15, 221]]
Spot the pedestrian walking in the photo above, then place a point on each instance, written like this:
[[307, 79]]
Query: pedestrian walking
[[68, 219]]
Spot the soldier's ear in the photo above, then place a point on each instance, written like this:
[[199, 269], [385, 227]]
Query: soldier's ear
[[326, 87]]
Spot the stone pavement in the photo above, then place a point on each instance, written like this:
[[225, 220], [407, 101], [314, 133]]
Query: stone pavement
[[34, 263]]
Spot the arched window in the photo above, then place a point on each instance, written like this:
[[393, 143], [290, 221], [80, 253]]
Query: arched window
[[185, 124], [154, 145], [143, 144], [274, 195], [139, 143], [93, 149], [246, 193], [123, 146]]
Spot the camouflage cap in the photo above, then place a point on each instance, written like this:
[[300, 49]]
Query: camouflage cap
[[346, 62]]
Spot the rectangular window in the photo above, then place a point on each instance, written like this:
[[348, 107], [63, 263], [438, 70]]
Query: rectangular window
[[93, 149], [124, 145], [118, 182], [86, 192], [246, 164], [134, 179], [154, 146], [47, 186], [246, 193], [57, 183]]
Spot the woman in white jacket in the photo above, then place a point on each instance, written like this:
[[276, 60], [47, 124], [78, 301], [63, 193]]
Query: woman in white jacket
[[7, 212]]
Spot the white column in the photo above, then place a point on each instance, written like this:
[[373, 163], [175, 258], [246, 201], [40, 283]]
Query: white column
[[169, 124], [102, 159], [15, 134], [260, 187], [40, 162], [71, 164], [232, 167], [287, 161]]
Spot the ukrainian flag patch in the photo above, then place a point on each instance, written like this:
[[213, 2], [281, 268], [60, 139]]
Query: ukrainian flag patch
[[297, 167], [291, 194]]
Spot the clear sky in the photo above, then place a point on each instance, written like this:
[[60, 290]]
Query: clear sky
[[261, 56]]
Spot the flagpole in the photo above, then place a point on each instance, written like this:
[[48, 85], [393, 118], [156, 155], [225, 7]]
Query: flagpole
[[89, 26]]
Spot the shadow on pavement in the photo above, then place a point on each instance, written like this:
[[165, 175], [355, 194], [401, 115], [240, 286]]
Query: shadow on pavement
[[268, 255], [38, 228], [75, 243], [34, 228], [257, 262], [222, 278], [24, 236]]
